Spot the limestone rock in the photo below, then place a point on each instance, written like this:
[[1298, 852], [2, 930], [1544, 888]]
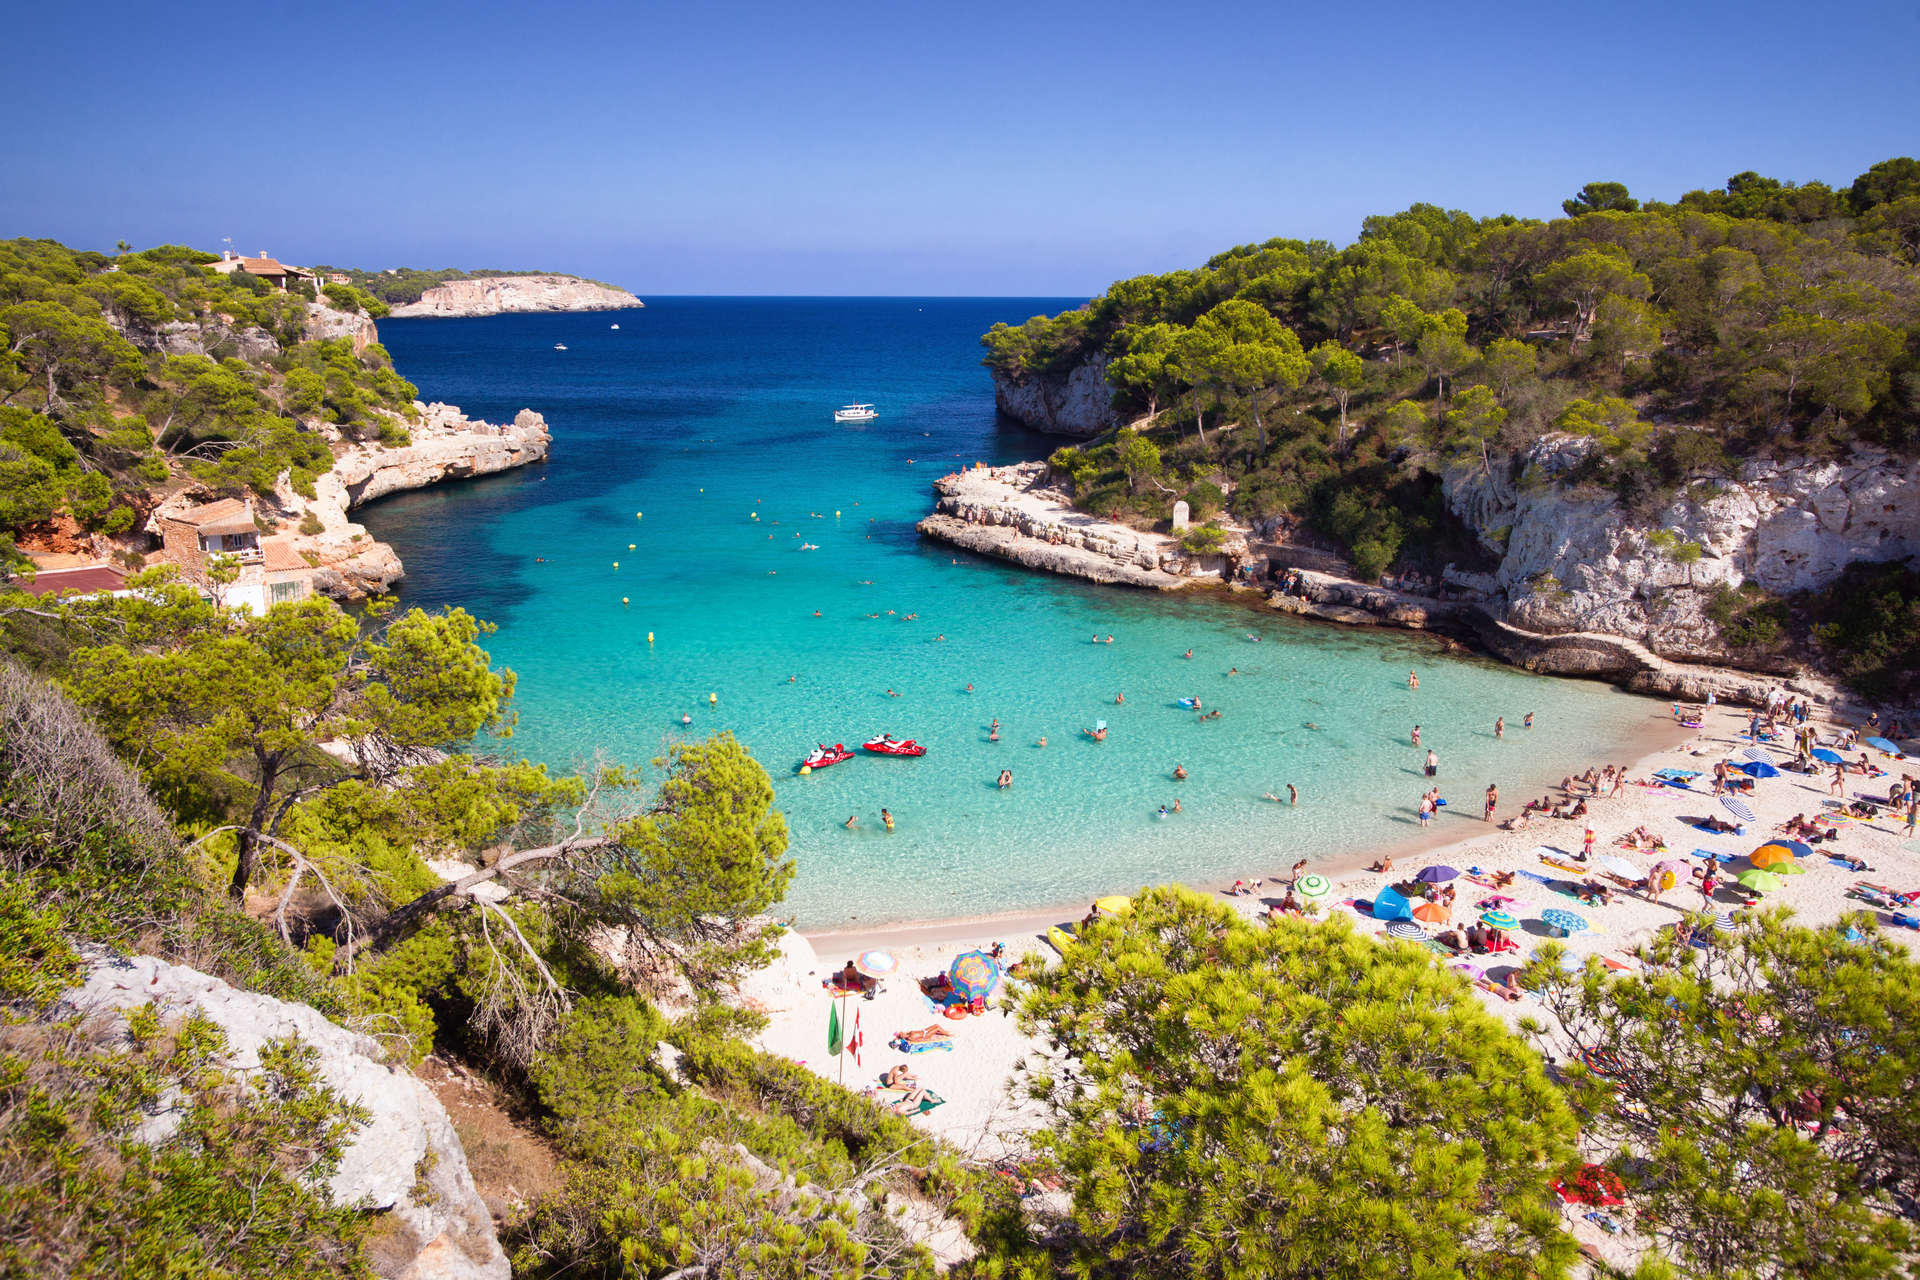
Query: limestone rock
[[406, 1162], [784, 983], [214, 339], [495, 295], [1077, 403], [325, 323]]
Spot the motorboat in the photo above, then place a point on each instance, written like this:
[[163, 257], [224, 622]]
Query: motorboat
[[559, 346], [613, 326], [856, 413], [822, 756], [888, 745]]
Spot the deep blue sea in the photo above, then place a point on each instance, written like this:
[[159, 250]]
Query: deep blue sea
[[694, 453]]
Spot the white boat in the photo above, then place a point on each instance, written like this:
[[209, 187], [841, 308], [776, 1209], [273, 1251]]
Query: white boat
[[614, 326], [856, 413], [559, 346]]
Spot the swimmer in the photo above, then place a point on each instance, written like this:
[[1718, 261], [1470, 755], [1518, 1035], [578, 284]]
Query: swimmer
[[1253, 637], [892, 694], [816, 613], [1179, 773], [1233, 671], [685, 718], [1109, 639], [1293, 794], [853, 820], [1098, 735], [1176, 804], [1119, 698], [994, 736], [995, 724], [1273, 797], [1189, 653], [969, 687], [941, 636], [887, 818], [1042, 742], [1212, 715], [1006, 779], [1163, 812], [793, 679]]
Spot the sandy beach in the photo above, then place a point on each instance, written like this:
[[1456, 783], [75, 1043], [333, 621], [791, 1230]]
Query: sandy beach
[[980, 1113]]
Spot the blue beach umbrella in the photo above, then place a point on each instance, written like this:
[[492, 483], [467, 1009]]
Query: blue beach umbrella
[[1736, 807], [1439, 874], [1564, 921], [1797, 848], [1759, 769], [1826, 754], [974, 974], [1882, 744]]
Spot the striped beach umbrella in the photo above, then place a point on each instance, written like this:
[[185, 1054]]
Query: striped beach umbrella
[[1769, 854], [1406, 929], [1502, 920], [1672, 872], [876, 964], [974, 974], [1737, 807], [1757, 753], [1826, 754], [1724, 922], [1564, 921], [1761, 881], [1313, 886]]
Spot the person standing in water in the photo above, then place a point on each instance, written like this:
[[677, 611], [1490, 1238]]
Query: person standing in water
[[1413, 680], [1433, 764], [1293, 794], [1500, 728], [1526, 721], [1006, 779], [1493, 800], [1416, 735], [887, 818]]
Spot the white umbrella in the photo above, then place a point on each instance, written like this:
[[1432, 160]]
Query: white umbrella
[[1622, 868]]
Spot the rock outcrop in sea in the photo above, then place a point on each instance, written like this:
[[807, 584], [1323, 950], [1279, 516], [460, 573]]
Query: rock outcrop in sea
[[499, 295], [1077, 403], [405, 1164]]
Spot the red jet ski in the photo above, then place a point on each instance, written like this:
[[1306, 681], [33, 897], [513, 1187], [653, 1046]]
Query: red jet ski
[[888, 745], [822, 756]]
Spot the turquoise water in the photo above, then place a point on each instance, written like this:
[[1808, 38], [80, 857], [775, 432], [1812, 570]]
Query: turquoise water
[[711, 417]]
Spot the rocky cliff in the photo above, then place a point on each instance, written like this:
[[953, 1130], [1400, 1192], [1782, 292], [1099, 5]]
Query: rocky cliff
[[406, 1163], [446, 445], [1573, 559], [1078, 403], [497, 295]]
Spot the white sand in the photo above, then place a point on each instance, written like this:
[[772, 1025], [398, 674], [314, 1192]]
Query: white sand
[[982, 1117]]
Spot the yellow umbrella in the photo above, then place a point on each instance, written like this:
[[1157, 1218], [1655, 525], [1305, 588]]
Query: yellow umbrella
[[1115, 905], [1768, 854]]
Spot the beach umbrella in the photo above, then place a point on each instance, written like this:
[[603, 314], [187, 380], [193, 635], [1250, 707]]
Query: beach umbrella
[[1602, 1062], [1724, 922], [1439, 874], [1621, 867], [1769, 854], [1787, 869], [876, 964], [1798, 848], [1406, 929], [1737, 807], [1882, 744], [1826, 754], [1759, 769], [1313, 886], [1757, 753], [1432, 912], [1473, 971], [974, 974], [1564, 921], [1761, 881], [1502, 920], [1116, 904]]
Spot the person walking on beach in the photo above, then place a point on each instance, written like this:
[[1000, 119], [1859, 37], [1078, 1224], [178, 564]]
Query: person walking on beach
[[1586, 846], [1298, 867], [1500, 728], [1493, 800], [1433, 764], [1838, 786], [1708, 883], [1913, 814]]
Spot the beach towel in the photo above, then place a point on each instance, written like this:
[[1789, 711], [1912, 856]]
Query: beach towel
[[1677, 775], [920, 1046], [1711, 855], [1552, 885], [892, 1099]]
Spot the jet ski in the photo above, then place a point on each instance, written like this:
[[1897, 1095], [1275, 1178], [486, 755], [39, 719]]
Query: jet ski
[[888, 745], [822, 756]]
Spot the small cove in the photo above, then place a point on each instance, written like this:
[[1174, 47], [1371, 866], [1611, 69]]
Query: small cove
[[711, 418]]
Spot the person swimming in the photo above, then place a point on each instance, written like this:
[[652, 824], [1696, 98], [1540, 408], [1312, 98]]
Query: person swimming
[[1189, 653], [1119, 698], [1179, 773], [853, 820], [1098, 735], [1006, 779]]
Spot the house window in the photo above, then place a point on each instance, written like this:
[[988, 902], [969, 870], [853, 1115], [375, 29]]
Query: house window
[[286, 592]]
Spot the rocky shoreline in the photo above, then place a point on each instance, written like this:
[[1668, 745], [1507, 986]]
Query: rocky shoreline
[[1012, 513]]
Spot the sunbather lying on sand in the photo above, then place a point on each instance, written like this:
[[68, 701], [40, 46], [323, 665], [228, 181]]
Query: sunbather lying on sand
[[926, 1035]]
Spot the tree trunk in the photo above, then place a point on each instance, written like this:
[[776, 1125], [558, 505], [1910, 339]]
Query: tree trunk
[[1258, 425], [1342, 442], [248, 845], [1200, 417]]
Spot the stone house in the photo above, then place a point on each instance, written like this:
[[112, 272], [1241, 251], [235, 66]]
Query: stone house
[[278, 274], [271, 571]]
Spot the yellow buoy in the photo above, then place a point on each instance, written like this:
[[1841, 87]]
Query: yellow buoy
[[638, 515], [623, 599], [713, 697], [616, 564], [836, 515], [805, 769], [629, 546], [649, 637]]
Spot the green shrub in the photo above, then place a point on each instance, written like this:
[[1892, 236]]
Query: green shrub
[[1206, 499], [1203, 539], [1868, 622], [312, 525], [1371, 558]]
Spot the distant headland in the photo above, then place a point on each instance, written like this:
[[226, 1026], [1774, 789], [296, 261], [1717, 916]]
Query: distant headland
[[449, 292]]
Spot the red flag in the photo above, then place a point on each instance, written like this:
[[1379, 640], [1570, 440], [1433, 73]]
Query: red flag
[[853, 1046]]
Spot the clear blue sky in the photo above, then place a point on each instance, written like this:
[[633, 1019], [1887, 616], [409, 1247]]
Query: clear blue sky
[[903, 148]]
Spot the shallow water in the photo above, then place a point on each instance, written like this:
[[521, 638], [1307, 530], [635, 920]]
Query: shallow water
[[712, 418]]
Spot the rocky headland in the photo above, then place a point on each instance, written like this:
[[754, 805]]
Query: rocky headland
[[500, 295], [1076, 403]]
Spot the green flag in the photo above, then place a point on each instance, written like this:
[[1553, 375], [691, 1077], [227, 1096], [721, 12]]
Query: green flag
[[833, 1026]]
